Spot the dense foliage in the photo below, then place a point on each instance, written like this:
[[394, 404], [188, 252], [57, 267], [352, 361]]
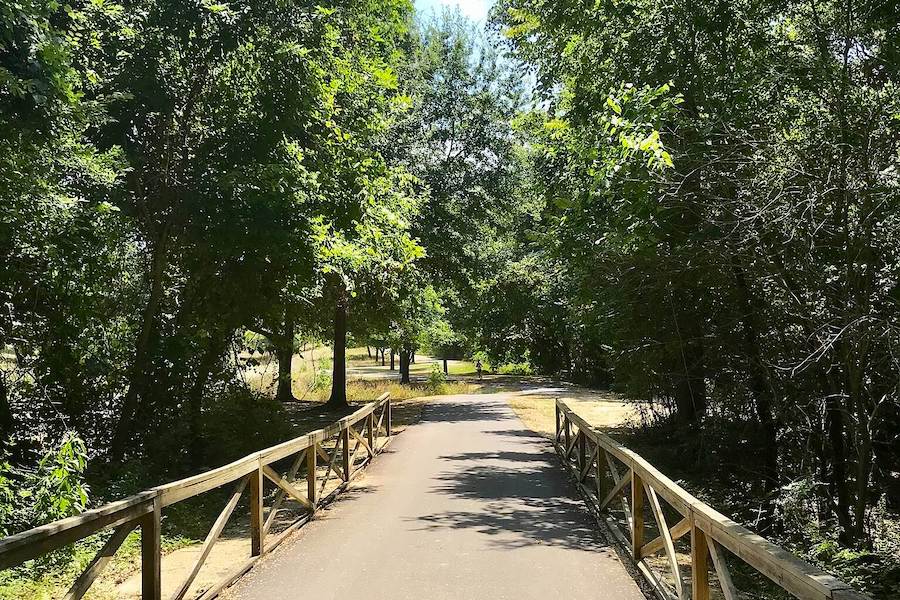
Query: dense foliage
[[696, 203], [719, 231]]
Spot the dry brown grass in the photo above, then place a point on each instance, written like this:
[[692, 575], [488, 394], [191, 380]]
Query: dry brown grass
[[604, 410]]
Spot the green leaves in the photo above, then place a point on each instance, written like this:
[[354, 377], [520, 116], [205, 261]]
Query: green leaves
[[614, 105]]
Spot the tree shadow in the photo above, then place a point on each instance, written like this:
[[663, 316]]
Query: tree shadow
[[524, 501], [449, 411]]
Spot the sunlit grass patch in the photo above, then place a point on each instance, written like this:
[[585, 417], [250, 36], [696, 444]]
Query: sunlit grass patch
[[605, 411]]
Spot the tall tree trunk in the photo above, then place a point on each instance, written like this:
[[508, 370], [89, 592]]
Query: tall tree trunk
[[338, 397], [382, 357], [392, 359], [149, 325], [369, 351], [284, 351], [405, 354], [446, 372], [834, 413]]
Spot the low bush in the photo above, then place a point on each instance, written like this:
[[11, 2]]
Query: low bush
[[437, 381], [520, 368]]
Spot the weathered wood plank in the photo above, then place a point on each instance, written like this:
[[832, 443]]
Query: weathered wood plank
[[722, 572], [789, 572], [669, 544], [257, 535], [212, 537], [151, 556], [637, 515], [621, 483], [348, 461], [279, 496], [311, 478], [699, 565], [678, 531], [285, 486], [99, 562], [16, 549], [361, 440], [370, 435]]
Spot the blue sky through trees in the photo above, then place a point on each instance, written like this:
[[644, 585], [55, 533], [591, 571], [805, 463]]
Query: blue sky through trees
[[474, 9]]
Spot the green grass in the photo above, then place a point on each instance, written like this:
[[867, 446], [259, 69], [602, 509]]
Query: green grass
[[48, 578]]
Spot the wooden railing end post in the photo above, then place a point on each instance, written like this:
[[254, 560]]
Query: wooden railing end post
[[637, 514], [311, 487], [151, 553], [699, 564], [345, 438], [257, 534]]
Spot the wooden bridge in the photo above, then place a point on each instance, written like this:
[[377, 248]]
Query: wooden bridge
[[468, 504]]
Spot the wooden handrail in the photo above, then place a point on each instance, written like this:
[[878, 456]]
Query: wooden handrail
[[143, 510], [588, 454]]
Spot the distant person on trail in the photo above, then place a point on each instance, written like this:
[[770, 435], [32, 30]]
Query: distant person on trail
[[478, 368]]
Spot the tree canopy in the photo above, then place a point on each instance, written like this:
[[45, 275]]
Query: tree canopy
[[695, 204]]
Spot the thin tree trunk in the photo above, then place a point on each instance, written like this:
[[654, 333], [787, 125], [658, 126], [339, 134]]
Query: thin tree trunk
[[338, 397], [446, 372], [759, 382], [138, 373], [382, 357], [392, 359], [7, 421], [284, 352], [690, 386]]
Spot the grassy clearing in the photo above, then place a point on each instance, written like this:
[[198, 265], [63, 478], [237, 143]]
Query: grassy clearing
[[311, 375]]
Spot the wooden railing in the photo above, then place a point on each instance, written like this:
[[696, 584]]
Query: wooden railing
[[595, 460], [351, 448]]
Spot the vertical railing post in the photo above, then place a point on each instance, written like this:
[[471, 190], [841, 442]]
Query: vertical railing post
[[257, 535], [370, 433], [637, 514], [582, 453], [568, 436], [387, 416], [601, 469], [311, 487], [151, 555], [556, 411], [345, 437], [699, 564]]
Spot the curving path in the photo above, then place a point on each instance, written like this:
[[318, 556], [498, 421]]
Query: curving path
[[467, 504]]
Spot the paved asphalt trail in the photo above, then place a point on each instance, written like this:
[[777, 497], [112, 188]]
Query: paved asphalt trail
[[467, 504]]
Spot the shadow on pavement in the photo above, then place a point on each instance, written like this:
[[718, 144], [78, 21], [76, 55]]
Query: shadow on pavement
[[523, 495], [524, 502], [448, 411]]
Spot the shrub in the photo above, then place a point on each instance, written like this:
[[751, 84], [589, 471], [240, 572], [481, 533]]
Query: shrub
[[437, 381], [521, 368], [241, 422]]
